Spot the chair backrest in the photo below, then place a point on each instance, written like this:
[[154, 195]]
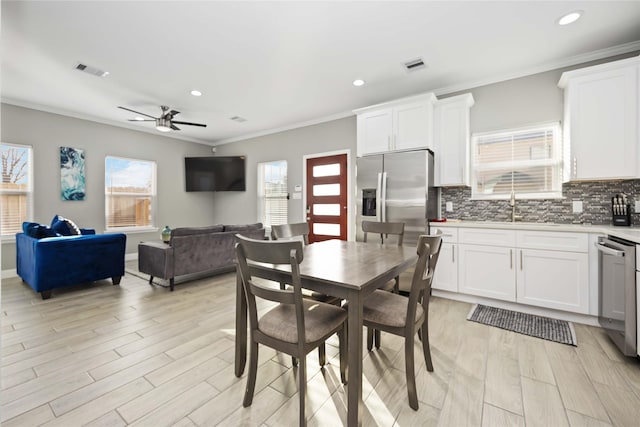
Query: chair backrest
[[284, 252], [290, 231], [428, 253], [384, 229]]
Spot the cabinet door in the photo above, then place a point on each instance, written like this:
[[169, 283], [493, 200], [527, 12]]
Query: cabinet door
[[446, 275], [553, 279], [487, 271], [412, 126], [451, 141], [374, 132], [601, 123]]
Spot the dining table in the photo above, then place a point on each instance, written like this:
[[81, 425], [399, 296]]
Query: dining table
[[345, 269]]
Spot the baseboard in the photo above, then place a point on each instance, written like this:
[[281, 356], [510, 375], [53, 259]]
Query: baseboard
[[7, 274], [539, 311]]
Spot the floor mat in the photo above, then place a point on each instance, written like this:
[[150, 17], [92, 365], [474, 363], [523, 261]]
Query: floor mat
[[529, 324]]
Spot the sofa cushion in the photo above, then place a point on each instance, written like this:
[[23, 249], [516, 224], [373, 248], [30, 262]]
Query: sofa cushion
[[191, 231], [64, 226], [243, 227], [38, 231]]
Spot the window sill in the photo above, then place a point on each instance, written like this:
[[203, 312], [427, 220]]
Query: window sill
[[8, 239]]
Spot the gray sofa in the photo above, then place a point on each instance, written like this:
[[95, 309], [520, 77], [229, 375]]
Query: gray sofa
[[194, 250]]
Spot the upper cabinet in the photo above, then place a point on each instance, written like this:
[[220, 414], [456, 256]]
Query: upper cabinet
[[451, 140], [405, 124], [601, 121]]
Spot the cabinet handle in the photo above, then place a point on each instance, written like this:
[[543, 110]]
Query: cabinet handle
[[389, 142], [575, 167], [520, 259], [511, 259], [453, 254]]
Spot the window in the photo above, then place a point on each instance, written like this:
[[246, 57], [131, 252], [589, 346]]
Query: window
[[17, 187], [130, 191], [526, 161], [272, 193]]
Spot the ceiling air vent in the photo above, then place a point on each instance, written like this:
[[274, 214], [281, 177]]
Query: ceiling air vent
[[415, 65], [91, 70], [238, 119]]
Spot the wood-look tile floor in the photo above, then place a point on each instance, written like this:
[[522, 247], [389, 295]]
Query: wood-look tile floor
[[134, 354]]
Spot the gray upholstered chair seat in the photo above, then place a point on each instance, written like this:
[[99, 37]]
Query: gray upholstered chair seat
[[386, 308], [319, 318]]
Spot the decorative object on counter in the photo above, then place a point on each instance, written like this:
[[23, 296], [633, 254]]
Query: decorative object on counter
[[528, 324], [621, 210], [166, 234]]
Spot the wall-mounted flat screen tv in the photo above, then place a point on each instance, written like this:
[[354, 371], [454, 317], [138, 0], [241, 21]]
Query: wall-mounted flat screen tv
[[214, 173]]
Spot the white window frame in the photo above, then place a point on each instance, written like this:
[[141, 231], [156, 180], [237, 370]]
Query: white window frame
[[262, 214], [556, 161], [152, 226], [10, 236]]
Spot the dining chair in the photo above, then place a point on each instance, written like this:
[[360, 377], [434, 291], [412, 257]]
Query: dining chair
[[300, 231], [295, 325], [399, 315], [384, 229]]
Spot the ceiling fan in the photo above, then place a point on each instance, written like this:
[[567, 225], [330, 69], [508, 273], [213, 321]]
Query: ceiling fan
[[165, 122]]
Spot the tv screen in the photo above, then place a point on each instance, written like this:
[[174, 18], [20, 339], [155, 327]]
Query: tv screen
[[214, 173]]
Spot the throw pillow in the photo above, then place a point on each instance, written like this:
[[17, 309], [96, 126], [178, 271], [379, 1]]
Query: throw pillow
[[38, 231], [64, 226]]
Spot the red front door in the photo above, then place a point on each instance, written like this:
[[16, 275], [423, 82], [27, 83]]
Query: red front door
[[327, 198]]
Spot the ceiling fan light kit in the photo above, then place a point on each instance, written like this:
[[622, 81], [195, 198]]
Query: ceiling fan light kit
[[165, 122]]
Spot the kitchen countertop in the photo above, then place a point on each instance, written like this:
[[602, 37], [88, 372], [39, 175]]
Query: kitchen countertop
[[627, 233]]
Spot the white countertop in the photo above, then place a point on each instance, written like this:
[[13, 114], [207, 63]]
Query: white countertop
[[628, 233]]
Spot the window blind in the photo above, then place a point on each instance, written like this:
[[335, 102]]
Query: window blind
[[272, 193], [16, 191], [129, 192], [526, 161]]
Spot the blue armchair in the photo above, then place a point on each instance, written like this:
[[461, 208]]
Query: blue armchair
[[56, 262]]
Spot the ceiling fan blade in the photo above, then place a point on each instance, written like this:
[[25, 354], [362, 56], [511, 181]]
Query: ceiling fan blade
[[137, 112], [190, 124], [145, 120], [173, 113], [174, 127]]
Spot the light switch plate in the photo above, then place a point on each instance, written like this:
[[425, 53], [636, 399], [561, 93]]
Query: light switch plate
[[448, 207], [577, 206]]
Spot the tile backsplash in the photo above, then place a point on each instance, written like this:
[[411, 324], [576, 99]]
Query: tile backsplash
[[595, 197]]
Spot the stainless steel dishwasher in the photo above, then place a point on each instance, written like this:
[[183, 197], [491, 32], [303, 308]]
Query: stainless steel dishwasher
[[617, 292]]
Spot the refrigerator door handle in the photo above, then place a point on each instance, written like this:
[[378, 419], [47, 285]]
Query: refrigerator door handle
[[379, 197], [383, 207]]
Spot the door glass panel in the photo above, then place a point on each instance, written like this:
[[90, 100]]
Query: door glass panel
[[326, 170], [326, 190], [332, 209], [326, 229]]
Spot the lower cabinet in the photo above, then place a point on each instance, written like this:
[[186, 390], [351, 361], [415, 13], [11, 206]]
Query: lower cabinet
[[446, 275], [540, 268], [487, 271], [553, 279]]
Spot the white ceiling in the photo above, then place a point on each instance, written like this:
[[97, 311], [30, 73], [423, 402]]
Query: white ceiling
[[283, 64]]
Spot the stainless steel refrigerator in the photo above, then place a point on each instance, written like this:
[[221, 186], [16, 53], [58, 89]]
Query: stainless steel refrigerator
[[397, 187]]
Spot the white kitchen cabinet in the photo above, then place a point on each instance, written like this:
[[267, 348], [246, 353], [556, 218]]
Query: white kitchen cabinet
[[446, 274], [553, 279], [451, 140], [405, 124], [601, 121], [487, 263], [487, 271]]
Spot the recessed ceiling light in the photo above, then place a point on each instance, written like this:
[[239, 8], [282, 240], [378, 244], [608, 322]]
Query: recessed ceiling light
[[570, 17], [196, 93], [358, 82]]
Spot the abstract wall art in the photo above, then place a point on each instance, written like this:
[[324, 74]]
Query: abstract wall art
[[72, 178]]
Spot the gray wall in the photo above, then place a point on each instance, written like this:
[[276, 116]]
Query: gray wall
[[291, 146], [46, 132]]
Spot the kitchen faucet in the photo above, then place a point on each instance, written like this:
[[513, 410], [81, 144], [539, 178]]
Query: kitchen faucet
[[512, 203]]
